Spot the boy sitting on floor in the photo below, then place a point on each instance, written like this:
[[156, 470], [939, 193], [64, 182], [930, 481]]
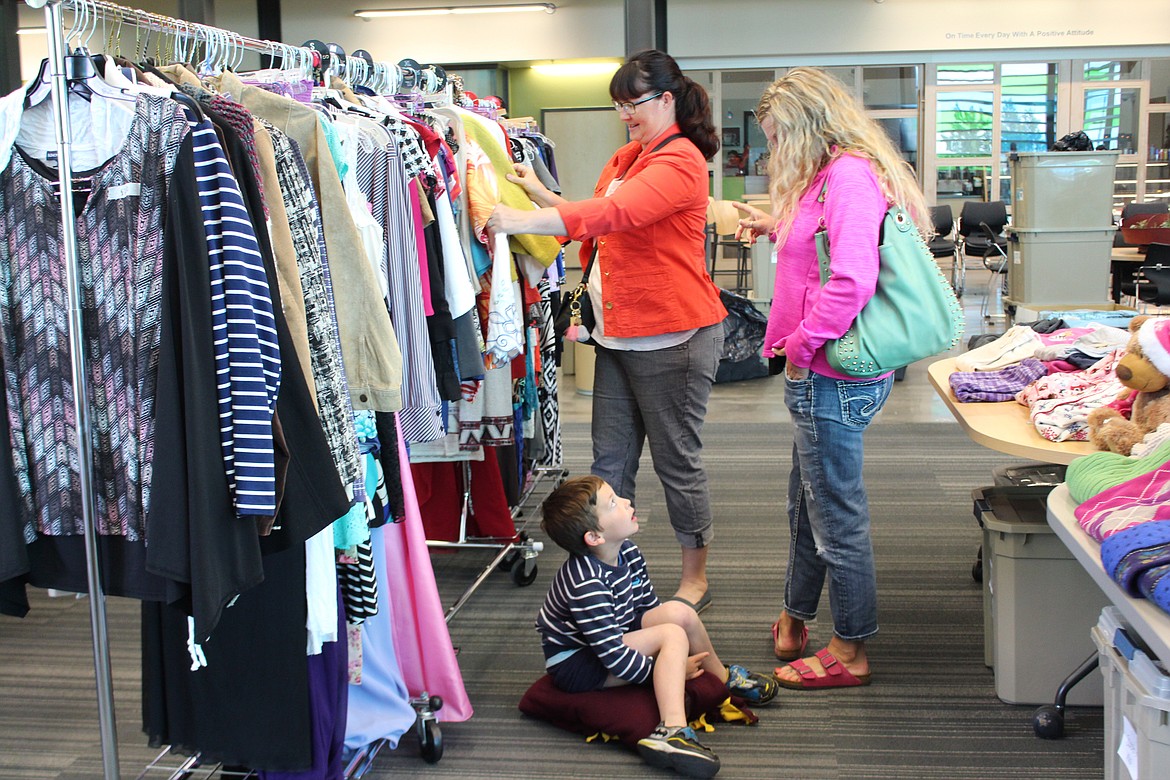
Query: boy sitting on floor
[[602, 625]]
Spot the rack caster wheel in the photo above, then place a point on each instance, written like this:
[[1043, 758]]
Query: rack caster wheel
[[1048, 722], [508, 562], [430, 741], [524, 571], [430, 736]]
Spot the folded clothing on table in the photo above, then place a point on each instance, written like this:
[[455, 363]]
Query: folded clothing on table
[[994, 386]]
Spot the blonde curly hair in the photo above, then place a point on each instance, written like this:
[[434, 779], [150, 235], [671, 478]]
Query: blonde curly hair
[[817, 120]]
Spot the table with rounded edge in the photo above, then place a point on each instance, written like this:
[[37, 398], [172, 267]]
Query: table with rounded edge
[[1003, 427]]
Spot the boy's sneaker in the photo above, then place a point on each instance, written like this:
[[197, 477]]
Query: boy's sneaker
[[756, 688], [678, 749]]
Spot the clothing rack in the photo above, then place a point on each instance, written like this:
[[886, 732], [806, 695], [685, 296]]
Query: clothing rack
[[87, 12], [219, 48], [516, 555]]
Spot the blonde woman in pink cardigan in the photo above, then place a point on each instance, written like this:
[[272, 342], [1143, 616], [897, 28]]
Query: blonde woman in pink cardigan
[[834, 168]]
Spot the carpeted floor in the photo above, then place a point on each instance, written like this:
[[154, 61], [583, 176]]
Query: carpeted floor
[[930, 713]]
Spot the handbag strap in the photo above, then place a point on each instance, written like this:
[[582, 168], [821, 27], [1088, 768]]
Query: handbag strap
[[589, 266], [821, 226], [665, 141], [659, 145]]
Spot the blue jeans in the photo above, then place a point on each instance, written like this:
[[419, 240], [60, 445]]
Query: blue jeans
[[660, 396], [828, 513]]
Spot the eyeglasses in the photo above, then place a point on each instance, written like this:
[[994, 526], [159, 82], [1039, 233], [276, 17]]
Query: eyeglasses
[[628, 106]]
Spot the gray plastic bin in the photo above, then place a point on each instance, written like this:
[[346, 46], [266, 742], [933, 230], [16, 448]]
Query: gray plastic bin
[[1055, 266], [1062, 189], [1039, 603], [1137, 703]]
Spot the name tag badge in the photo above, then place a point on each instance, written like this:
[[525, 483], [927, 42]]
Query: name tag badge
[[119, 191], [613, 185]]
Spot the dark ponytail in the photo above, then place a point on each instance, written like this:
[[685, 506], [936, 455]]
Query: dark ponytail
[[656, 71]]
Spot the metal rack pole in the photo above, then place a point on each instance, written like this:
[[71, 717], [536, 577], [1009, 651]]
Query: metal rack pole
[[97, 600]]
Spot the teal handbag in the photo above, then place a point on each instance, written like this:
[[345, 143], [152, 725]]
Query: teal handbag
[[913, 314]]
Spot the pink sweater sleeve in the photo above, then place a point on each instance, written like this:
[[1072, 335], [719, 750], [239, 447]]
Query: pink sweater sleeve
[[853, 210]]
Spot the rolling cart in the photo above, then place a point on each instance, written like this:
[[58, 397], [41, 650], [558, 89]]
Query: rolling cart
[[516, 555]]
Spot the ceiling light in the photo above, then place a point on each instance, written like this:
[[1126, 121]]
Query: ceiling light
[[576, 68], [30, 31], [469, 9]]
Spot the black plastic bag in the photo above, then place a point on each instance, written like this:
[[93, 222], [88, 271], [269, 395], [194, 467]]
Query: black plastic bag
[[1074, 142], [743, 339], [743, 329]]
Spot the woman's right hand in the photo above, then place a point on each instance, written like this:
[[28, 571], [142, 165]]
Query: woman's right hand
[[526, 179], [754, 222]]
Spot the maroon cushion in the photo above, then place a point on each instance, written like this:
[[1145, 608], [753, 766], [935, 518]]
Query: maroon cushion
[[628, 712]]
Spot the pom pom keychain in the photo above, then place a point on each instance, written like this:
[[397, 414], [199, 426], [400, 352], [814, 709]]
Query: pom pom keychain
[[577, 332]]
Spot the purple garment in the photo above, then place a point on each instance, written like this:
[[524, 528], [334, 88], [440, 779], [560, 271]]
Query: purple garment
[[1138, 559], [300, 91], [328, 700], [996, 386]]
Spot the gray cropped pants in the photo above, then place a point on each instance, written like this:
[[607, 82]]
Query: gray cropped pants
[[658, 396]]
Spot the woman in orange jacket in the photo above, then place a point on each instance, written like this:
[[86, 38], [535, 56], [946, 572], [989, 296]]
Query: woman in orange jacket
[[658, 331]]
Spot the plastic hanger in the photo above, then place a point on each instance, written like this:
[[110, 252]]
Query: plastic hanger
[[81, 74]]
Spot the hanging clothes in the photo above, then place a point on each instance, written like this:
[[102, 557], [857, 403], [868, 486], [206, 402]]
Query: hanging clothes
[[368, 341], [378, 708], [335, 256]]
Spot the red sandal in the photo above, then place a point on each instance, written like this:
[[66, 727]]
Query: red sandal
[[836, 675], [791, 655]]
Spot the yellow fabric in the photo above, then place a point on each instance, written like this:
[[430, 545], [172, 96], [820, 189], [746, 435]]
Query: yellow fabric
[[543, 248], [601, 735], [731, 713], [701, 724]]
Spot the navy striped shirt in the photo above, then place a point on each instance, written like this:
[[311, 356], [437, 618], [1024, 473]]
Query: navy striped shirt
[[247, 358], [592, 604]]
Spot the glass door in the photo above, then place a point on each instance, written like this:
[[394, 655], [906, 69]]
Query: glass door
[[740, 171]]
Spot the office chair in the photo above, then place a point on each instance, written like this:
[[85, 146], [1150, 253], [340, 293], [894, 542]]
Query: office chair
[[1125, 273], [722, 222], [981, 235], [1151, 285], [942, 243]]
